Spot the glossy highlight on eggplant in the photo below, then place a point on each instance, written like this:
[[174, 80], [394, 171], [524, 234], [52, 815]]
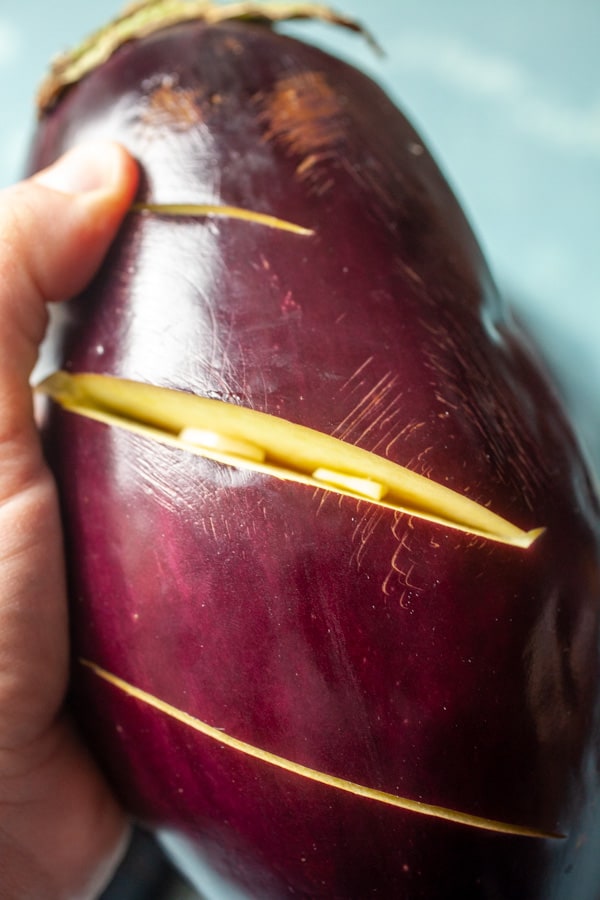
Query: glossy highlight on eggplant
[[297, 267]]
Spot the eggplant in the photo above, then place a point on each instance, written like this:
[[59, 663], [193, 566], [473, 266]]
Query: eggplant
[[333, 549]]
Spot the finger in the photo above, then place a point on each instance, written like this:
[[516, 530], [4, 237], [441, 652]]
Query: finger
[[55, 811], [55, 229]]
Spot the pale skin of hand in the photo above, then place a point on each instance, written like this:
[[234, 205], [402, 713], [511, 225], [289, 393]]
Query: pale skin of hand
[[62, 833]]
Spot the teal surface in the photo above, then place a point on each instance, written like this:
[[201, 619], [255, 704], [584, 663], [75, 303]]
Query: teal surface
[[507, 96]]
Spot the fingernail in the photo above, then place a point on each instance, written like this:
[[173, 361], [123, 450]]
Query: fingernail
[[85, 168]]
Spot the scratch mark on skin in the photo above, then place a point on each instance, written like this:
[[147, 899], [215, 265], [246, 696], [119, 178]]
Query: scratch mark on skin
[[402, 574], [213, 528], [369, 178], [385, 414], [363, 532], [441, 398], [404, 434], [375, 409], [360, 370], [356, 382], [464, 384], [305, 168], [412, 275], [321, 189], [402, 601], [374, 397]]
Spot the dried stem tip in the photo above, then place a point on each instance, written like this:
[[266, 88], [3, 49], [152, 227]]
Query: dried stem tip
[[148, 16]]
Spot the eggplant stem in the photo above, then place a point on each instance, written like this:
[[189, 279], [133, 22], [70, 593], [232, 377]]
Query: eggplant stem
[[332, 781], [138, 20], [211, 210]]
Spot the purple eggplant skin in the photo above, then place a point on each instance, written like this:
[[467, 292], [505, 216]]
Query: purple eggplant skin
[[387, 651]]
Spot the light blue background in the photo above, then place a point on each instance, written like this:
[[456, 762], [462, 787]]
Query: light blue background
[[507, 96]]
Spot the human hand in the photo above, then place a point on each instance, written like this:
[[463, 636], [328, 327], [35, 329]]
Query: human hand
[[61, 831]]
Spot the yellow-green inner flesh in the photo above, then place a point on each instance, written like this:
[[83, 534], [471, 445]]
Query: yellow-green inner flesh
[[246, 439], [220, 211], [332, 781]]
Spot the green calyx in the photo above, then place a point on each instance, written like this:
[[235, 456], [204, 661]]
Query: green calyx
[[140, 19]]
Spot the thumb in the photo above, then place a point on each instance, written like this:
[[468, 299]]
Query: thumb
[[54, 231], [55, 228]]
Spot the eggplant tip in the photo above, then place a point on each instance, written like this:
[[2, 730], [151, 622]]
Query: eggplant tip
[[140, 19]]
